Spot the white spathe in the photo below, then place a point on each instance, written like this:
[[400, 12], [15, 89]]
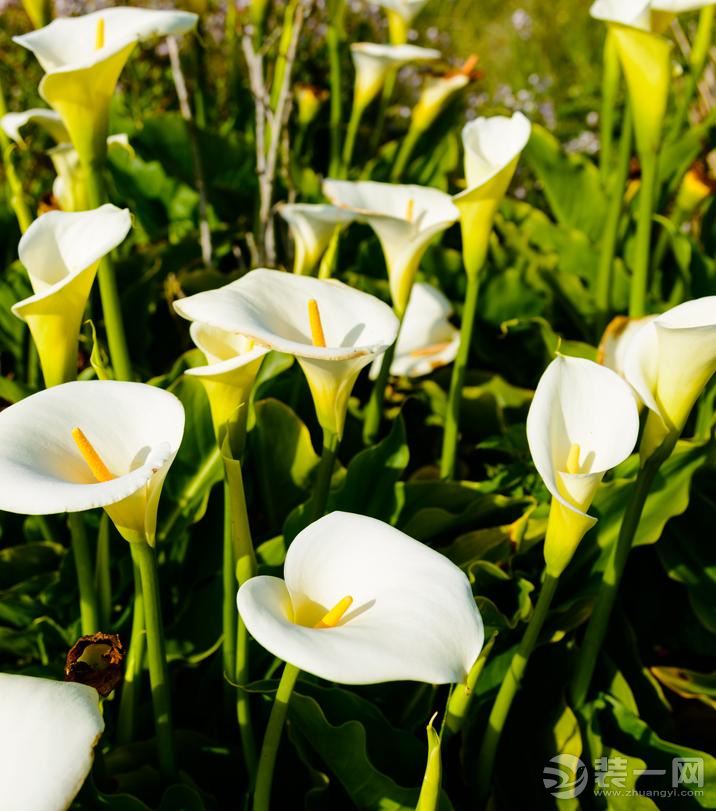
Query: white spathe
[[406, 9], [271, 307], [312, 227], [373, 62], [583, 421], [413, 615], [83, 58], [233, 361], [61, 252], [427, 339], [492, 150], [405, 219], [48, 732], [13, 123], [135, 429], [669, 362]]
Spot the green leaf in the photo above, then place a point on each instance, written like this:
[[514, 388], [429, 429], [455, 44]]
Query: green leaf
[[19, 563]]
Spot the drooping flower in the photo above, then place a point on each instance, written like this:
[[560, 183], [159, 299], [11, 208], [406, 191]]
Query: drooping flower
[[669, 362], [427, 339], [363, 603], [233, 361], [438, 91], [87, 444], [333, 330], [312, 227], [583, 421], [405, 219], [492, 149], [83, 58], [373, 63], [61, 252], [48, 733]]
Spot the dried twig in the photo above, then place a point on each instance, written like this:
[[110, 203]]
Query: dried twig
[[186, 113]]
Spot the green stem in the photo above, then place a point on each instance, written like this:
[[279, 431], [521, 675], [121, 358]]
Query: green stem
[[611, 577], [349, 145], [640, 277], [452, 418], [103, 581], [229, 587], [333, 41], [283, 46], [611, 225], [610, 89], [17, 195], [272, 738], [385, 98], [509, 687], [132, 685], [111, 308], [405, 153], [243, 704], [374, 409], [461, 697], [89, 607], [697, 62], [325, 474], [328, 263], [157, 657]]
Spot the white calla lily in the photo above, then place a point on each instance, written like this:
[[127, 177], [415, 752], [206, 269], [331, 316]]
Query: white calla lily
[[405, 219], [427, 339], [645, 58], [233, 361], [275, 310], [48, 732], [617, 339], [412, 615], [61, 252], [401, 14], [83, 58], [12, 124], [669, 362], [312, 227], [583, 421], [130, 434], [373, 62], [492, 150]]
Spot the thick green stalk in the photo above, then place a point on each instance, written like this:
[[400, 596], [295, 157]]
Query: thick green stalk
[[328, 262], [157, 658], [452, 418], [405, 153], [103, 582], [610, 234], [640, 276], [325, 474], [461, 697], [272, 738], [333, 41], [374, 409], [509, 687], [611, 578], [132, 684], [283, 46], [610, 90], [89, 606], [350, 142], [229, 586], [385, 99], [697, 61], [111, 308]]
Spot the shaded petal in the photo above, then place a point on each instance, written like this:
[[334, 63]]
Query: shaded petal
[[49, 120], [413, 616], [48, 731], [312, 227]]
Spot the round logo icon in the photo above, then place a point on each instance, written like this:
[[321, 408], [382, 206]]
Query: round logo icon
[[567, 779]]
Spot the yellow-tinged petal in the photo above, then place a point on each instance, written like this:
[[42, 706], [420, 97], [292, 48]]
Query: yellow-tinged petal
[[646, 62], [335, 615], [565, 529]]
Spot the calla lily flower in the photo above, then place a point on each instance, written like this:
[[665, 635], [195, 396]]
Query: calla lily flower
[[401, 14], [405, 219], [373, 63], [48, 733], [398, 610], [669, 362], [492, 149], [87, 444], [13, 123], [645, 57], [583, 421], [438, 91], [61, 252], [333, 330], [312, 228], [83, 58], [617, 339], [233, 362], [427, 339]]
